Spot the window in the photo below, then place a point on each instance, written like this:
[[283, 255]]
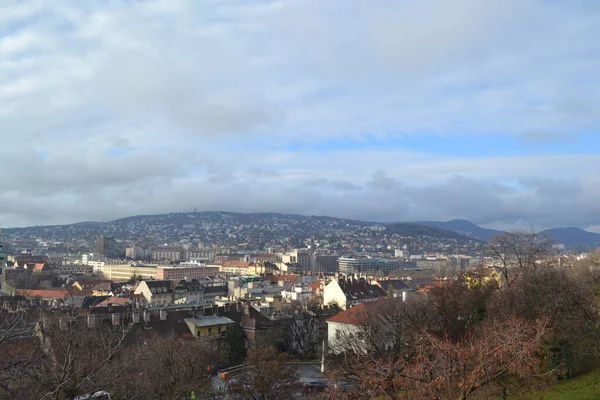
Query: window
[[209, 331], [219, 330]]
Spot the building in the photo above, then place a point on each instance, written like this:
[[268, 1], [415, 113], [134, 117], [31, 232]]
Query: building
[[104, 244], [327, 263], [206, 256], [125, 272], [167, 292], [344, 329], [209, 326], [138, 253], [242, 268], [2, 254], [350, 291], [395, 288], [168, 254], [367, 266], [94, 287], [342, 326], [73, 268], [156, 292], [311, 261], [177, 272]]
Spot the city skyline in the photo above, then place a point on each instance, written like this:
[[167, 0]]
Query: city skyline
[[391, 112]]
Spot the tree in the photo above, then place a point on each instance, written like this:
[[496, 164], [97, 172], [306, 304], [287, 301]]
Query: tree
[[266, 377], [486, 358], [81, 360], [232, 346], [442, 344], [170, 369], [302, 328], [519, 252]]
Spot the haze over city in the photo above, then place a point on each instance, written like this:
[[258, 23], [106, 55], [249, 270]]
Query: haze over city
[[403, 111]]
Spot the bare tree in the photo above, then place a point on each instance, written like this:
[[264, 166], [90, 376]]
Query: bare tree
[[485, 359], [303, 328], [519, 252], [170, 368], [266, 377], [80, 359]]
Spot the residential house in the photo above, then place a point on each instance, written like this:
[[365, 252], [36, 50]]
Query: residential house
[[236, 268], [94, 287], [350, 291], [188, 292], [165, 292], [156, 292], [344, 329], [395, 288], [51, 297], [209, 326]]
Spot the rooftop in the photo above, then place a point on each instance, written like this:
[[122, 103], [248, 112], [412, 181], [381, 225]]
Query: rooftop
[[209, 320]]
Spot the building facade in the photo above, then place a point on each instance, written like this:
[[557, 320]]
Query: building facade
[[367, 266], [175, 272]]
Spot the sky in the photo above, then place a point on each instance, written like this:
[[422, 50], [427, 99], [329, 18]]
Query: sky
[[374, 110]]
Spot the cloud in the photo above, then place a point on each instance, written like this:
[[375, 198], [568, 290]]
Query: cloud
[[107, 106], [541, 137]]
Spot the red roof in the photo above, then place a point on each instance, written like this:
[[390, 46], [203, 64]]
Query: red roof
[[48, 293], [353, 316], [315, 285], [356, 315], [114, 300], [40, 266], [290, 277]]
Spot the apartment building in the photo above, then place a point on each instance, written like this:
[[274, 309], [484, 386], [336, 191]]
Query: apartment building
[[177, 272]]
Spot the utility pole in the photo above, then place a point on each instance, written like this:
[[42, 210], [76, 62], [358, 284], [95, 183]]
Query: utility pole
[[323, 358]]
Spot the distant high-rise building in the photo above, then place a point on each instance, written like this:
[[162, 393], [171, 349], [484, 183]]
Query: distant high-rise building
[[103, 244], [2, 254]]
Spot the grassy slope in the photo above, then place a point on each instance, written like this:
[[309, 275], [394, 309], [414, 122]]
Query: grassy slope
[[585, 387]]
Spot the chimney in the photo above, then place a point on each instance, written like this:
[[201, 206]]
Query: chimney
[[116, 318], [91, 321], [163, 315]]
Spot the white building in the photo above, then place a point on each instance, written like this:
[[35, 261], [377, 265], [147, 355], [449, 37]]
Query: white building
[[348, 292]]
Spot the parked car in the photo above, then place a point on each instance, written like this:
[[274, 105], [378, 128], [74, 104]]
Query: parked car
[[314, 386]]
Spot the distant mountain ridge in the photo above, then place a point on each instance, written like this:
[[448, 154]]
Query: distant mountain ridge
[[573, 237], [570, 237], [193, 222], [465, 228]]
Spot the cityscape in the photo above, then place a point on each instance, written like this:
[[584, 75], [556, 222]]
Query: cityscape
[[298, 199], [248, 281]]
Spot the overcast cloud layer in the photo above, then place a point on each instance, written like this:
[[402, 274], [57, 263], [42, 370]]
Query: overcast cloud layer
[[386, 111]]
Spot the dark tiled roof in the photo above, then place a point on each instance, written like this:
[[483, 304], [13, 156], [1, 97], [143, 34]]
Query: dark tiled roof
[[356, 289], [396, 284], [156, 284]]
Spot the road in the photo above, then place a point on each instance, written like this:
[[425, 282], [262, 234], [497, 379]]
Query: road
[[308, 372]]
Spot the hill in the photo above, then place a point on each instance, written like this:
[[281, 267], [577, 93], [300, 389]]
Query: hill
[[414, 230], [573, 237], [464, 227]]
